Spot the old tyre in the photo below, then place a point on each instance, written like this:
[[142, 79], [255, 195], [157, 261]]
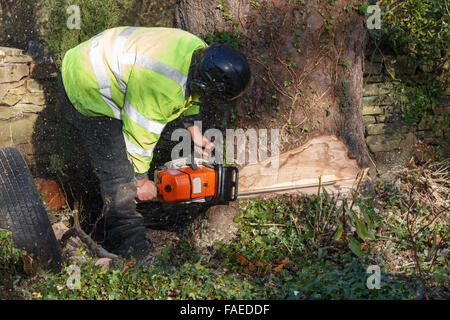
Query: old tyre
[[22, 211]]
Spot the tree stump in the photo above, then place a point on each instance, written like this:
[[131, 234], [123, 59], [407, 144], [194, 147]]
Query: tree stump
[[216, 225]]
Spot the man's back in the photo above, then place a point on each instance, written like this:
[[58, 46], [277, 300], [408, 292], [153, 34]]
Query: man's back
[[98, 72]]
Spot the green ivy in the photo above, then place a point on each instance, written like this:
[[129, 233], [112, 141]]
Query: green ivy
[[418, 102], [223, 37], [419, 29]]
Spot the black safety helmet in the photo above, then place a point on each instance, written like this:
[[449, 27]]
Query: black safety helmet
[[222, 74]]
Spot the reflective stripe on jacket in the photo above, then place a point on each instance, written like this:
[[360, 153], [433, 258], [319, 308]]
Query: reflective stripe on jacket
[[134, 74]]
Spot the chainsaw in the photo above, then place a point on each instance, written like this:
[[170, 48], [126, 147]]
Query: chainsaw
[[194, 180]]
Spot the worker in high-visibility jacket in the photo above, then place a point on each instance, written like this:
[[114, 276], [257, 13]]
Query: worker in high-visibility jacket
[[119, 90]]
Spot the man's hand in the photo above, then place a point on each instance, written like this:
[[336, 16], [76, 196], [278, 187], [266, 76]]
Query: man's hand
[[146, 189], [201, 145]]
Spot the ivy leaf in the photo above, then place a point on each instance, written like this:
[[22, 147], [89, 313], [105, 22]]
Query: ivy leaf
[[227, 16], [363, 8], [222, 6]]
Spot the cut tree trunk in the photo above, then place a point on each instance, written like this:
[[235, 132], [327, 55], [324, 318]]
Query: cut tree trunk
[[321, 161], [306, 60]]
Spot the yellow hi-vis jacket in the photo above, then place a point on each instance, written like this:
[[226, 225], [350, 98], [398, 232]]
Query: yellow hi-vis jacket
[[134, 74]]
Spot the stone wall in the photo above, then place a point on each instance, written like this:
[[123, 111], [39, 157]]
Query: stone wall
[[32, 120], [389, 140], [21, 98], [28, 110]]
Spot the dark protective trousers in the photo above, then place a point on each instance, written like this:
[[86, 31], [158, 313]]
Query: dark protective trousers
[[104, 144]]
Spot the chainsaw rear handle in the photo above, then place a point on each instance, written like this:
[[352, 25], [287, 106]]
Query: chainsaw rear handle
[[235, 183]]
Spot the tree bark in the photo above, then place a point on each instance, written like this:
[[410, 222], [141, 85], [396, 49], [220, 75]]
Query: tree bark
[[306, 60]]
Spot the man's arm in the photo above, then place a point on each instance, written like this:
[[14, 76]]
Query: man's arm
[[149, 102], [201, 145]]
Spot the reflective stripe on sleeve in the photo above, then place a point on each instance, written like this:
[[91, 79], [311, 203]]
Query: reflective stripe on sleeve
[[156, 66], [132, 148], [101, 76], [138, 118]]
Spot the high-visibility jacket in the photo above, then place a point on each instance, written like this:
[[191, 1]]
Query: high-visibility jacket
[[137, 75]]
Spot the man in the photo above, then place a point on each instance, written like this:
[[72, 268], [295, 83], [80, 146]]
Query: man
[[121, 88]]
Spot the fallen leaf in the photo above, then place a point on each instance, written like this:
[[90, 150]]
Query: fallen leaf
[[51, 193], [259, 264], [36, 295], [278, 268], [241, 259], [127, 264], [251, 267]]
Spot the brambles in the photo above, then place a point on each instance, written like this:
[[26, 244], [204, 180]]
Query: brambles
[[424, 212]]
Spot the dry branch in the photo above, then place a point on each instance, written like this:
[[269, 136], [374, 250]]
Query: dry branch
[[92, 246]]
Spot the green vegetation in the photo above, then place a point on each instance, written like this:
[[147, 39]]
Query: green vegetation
[[223, 7], [418, 102], [223, 37], [9, 259], [420, 31], [286, 248], [96, 16]]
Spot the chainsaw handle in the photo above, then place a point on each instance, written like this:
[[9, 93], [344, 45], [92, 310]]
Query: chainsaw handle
[[235, 182], [226, 181]]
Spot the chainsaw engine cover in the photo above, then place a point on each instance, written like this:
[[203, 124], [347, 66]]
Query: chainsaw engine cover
[[185, 184], [179, 181]]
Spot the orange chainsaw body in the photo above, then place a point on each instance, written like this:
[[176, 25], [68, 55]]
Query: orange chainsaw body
[[185, 184]]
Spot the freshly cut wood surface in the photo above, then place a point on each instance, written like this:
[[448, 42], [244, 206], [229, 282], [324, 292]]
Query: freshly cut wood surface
[[324, 156]]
